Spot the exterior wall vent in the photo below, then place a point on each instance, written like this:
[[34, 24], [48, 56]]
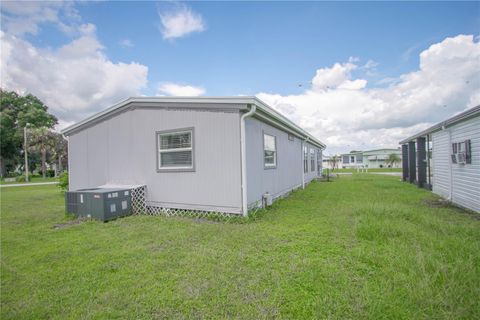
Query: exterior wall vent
[[267, 200]]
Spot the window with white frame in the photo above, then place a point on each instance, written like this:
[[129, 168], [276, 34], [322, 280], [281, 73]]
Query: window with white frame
[[269, 151], [305, 159], [312, 159], [175, 150]]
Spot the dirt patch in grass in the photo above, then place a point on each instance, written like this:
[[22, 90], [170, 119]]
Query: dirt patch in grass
[[438, 203], [68, 223], [443, 203]]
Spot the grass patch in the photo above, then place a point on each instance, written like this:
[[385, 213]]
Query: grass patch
[[353, 170], [32, 180], [364, 246]]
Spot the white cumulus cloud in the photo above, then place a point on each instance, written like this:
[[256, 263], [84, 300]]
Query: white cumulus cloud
[[22, 17], [347, 115], [74, 80], [179, 22], [173, 89]]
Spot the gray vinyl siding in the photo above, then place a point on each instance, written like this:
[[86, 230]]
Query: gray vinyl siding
[[123, 150], [465, 179], [288, 173]]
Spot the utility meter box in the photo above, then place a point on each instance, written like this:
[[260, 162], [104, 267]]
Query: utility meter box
[[102, 204]]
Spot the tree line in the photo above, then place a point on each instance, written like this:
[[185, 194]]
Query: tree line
[[45, 147]]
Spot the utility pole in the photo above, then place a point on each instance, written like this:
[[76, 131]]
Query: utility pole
[[25, 151]]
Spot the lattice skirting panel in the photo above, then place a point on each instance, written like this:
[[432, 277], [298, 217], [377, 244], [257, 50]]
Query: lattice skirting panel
[[174, 212], [140, 206], [139, 203]]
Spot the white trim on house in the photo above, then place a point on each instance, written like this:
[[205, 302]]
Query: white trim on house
[[221, 102]]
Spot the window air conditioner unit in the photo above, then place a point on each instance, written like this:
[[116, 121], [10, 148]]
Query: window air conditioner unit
[[461, 158]]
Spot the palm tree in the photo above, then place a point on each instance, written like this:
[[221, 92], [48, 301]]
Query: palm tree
[[334, 160], [392, 159], [41, 140], [60, 150]]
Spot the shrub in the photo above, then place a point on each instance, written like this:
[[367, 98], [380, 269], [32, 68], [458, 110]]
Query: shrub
[[63, 181], [21, 179], [50, 173]]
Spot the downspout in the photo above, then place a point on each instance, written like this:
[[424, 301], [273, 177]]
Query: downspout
[[303, 162], [243, 151]]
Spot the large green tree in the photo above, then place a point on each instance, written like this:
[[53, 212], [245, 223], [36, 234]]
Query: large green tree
[[15, 112]]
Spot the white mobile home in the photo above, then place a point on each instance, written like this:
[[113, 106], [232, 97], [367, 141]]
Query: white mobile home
[[446, 159], [377, 158], [207, 154]]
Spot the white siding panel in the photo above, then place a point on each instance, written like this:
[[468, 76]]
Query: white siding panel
[[97, 155], [120, 165], [441, 163], [77, 160], [465, 179], [215, 183], [288, 173], [122, 150]]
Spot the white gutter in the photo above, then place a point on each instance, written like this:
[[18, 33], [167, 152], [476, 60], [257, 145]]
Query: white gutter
[[243, 151]]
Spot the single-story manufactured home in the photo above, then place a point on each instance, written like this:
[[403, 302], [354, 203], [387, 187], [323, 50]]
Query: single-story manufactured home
[[377, 158], [208, 154], [446, 159]]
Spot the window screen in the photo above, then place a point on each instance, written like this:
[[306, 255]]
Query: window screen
[[305, 159], [312, 159], [175, 150], [269, 151]]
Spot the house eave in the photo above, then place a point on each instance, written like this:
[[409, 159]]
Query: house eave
[[470, 113], [232, 103]]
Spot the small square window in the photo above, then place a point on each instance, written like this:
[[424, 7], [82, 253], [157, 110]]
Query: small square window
[[175, 150], [124, 205], [113, 207]]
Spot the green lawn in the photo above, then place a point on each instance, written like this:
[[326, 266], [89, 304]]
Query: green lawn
[[32, 180], [369, 170], [364, 246]]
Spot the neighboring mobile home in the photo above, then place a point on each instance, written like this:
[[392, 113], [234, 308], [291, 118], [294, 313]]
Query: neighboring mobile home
[[446, 159], [377, 158], [216, 154]]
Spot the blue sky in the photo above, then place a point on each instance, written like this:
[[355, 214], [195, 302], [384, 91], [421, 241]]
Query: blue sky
[[272, 46], [249, 48]]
